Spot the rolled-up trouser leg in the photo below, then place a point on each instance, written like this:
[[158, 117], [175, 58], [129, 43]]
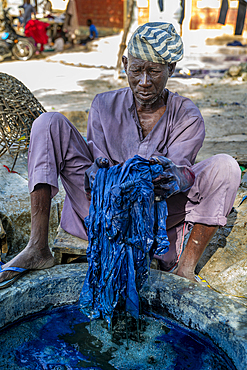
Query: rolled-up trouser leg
[[57, 148], [209, 201]]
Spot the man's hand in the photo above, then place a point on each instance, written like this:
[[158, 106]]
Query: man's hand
[[91, 173], [175, 179]]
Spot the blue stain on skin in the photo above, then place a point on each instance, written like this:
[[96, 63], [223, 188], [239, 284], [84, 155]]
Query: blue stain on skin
[[125, 228]]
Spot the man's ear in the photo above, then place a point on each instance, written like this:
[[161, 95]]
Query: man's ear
[[171, 68], [125, 63]]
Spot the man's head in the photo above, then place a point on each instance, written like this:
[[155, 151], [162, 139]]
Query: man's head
[[89, 22], [153, 51]]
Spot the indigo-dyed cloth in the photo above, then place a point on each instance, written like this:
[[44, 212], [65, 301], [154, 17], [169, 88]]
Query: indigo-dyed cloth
[[125, 228], [156, 42], [161, 5]]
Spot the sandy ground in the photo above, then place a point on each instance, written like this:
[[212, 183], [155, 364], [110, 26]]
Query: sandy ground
[[223, 104]]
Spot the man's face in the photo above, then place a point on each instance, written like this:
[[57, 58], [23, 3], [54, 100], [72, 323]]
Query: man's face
[[147, 79]]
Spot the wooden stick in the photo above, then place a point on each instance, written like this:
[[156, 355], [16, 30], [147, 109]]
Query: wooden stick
[[123, 45]]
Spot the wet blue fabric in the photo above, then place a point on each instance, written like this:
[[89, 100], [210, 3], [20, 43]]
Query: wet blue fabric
[[125, 228]]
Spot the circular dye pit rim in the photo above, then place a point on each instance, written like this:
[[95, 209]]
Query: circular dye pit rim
[[223, 320]]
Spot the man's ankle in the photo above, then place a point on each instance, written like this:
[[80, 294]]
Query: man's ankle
[[186, 273]]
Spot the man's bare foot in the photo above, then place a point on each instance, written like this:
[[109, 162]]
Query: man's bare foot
[[187, 275], [31, 258]]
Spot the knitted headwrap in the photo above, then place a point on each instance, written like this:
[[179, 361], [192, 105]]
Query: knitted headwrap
[[156, 42]]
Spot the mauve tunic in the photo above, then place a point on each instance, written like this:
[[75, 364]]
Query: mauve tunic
[[57, 148], [114, 130]]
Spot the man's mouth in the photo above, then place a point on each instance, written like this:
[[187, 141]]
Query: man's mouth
[[145, 95]]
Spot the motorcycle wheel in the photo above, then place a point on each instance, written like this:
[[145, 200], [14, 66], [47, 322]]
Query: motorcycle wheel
[[23, 50]]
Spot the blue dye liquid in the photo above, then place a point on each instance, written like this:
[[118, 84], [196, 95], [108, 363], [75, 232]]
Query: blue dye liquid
[[63, 338]]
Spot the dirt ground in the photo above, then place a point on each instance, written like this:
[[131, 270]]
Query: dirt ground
[[223, 105]]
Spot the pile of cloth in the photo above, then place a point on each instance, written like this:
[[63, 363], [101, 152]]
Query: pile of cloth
[[126, 226]]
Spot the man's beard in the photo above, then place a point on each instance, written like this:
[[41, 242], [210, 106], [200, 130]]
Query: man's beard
[[155, 98]]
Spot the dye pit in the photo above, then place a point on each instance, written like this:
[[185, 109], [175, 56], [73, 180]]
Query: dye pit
[[63, 338]]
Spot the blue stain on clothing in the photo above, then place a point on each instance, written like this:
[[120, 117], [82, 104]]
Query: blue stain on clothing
[[242, 200], [125, 228]]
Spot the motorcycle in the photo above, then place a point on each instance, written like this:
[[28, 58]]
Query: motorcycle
[[11, 43]]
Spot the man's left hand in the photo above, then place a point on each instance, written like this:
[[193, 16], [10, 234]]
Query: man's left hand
[[91, 173]]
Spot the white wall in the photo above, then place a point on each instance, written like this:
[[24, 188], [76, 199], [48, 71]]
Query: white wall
[[59, 4]]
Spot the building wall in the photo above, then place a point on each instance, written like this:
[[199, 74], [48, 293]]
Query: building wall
[[203, 17], [105, 14]]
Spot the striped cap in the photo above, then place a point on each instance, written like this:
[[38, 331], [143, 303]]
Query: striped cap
[[156, 42]]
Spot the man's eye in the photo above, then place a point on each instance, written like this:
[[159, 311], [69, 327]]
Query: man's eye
[[135, 70], [155, 71]]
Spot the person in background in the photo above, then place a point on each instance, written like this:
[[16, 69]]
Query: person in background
[[20, 20], [38, 31], [93, 33], [28, 11], [58, 43]]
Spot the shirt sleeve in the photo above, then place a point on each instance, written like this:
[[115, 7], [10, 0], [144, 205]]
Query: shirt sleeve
[[95, 132], [185, 140], [185, 131]]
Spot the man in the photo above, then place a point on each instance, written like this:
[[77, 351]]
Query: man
[[28, 11], [145, 119], [20, 20], [93, 33]]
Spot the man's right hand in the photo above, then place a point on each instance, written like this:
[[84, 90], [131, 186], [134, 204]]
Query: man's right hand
[[91, 173]]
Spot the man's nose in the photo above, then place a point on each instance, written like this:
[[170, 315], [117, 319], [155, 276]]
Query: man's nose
[[145, 80]]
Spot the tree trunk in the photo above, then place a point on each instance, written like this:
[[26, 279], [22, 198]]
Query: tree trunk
[[36, 5], [123, 45]]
